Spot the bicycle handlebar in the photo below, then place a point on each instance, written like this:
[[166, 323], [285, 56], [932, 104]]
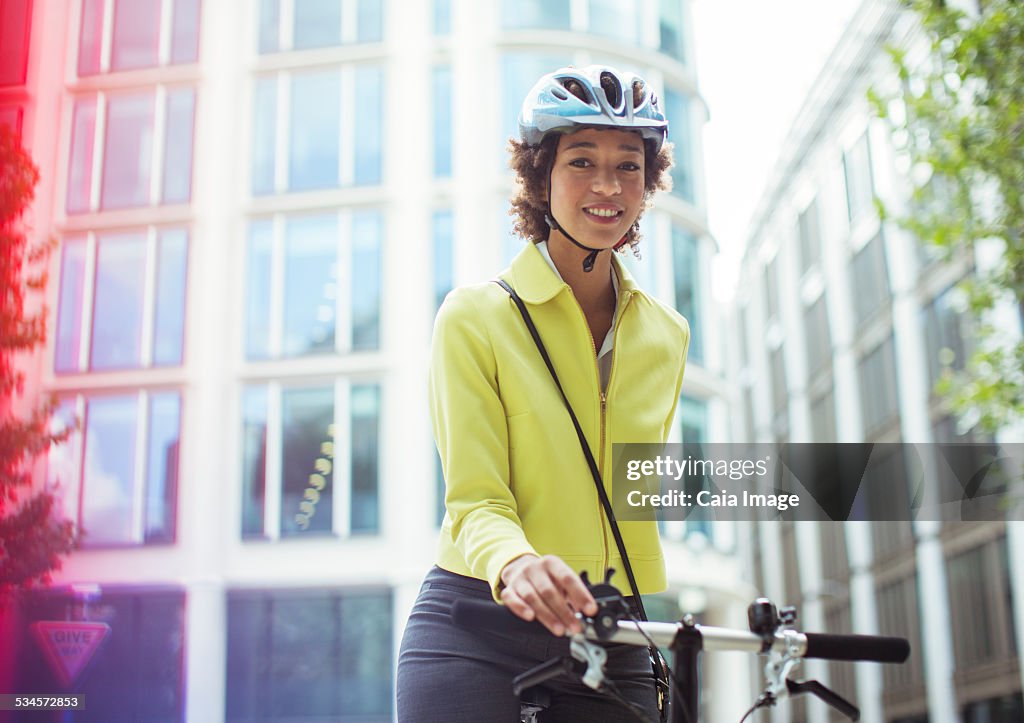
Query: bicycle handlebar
[[876, 648], [483, 615]]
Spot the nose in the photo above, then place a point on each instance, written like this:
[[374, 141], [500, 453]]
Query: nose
[[606, 182]]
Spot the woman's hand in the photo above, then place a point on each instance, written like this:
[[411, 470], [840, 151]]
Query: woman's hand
[[547, 590]]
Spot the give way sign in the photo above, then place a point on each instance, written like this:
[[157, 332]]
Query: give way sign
[[69, 646]]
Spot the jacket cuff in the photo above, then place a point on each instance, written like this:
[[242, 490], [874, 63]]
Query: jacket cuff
[[494, 571]]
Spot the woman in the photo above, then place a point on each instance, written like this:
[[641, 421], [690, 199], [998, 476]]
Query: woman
[[523, 514]]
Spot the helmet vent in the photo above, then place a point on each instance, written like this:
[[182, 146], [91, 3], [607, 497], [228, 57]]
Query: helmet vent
[[560, 93], [576, 88], [639, 93], [612, 89]]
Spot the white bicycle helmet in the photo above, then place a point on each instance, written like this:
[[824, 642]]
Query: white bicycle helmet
[[597, 95]]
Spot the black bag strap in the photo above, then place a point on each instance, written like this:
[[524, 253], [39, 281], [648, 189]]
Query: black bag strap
[[583, 443]]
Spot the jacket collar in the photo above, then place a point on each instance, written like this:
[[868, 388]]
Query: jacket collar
[[535, 282]]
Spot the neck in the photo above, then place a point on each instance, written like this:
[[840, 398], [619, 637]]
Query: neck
[[592, 289]]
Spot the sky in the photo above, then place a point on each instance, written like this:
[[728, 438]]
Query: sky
[[756, 61]]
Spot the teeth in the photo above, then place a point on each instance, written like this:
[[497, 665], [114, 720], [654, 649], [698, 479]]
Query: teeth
[[605, 212]]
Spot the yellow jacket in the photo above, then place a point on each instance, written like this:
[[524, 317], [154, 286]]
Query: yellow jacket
[[516, 479]]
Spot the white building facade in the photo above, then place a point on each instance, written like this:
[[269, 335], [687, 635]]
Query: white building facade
[[844, 323], [259, 206]]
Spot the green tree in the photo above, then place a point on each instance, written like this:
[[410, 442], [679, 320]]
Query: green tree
[[32, 537], [959, 117]]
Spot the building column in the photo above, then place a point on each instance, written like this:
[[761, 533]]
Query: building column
[[864, 616], [936, 625], [205, 652]]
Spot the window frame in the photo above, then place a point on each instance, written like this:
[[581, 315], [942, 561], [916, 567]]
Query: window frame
[[340, 456]]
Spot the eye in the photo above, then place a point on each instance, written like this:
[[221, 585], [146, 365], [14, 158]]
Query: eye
[[630, 166], [579, 163]]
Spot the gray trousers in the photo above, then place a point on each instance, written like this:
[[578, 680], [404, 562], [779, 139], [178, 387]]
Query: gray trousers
[[450, 675]]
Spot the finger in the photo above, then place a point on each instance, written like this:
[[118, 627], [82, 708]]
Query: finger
[[575, 592], [551, 592], [511, 599], [546, 615]]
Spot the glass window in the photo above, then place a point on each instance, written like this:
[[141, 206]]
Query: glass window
[[365, 458], [177, 181], [535, 14], [819, 340], [69, 306], [320, 24], [11, 117], [442, 17], [272, 637], [264, 135], [823, 418], [686, 264], [315, 117], [127, 160], [162, 472], [117, 506], [442, 97], [257, 289], [368, 141], [136, 34], [307, 416], [771, 288], [671, 29], [317, 23], [313, 140], [519, 72], [117, 312], [944, 325], [615, 19], [118, 300], [870, 279], [779, 390], [90, 35], [128, 151], [269, 31], [693, 420], [108, 484], [860, 190], [185, 31], [677, 109], [877, 374], [367, 234], [370, 19], [254, 459], [810, 236], [443, 255], [306, 478], [15, 23], [312, 281], [80, 160], [138, 674], [311, 275], [169, 319]]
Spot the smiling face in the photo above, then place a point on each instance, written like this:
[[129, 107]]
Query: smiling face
[[597, 185]]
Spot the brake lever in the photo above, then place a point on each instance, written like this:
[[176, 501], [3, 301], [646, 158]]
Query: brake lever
[[829, 696]]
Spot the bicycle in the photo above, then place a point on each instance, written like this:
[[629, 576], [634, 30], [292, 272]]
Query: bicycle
[[771, 633]]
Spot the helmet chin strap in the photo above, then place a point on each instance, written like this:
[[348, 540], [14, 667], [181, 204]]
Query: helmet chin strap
[[588, 261]]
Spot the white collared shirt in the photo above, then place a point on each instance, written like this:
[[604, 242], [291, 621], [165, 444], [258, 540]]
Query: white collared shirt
[[604, 354]]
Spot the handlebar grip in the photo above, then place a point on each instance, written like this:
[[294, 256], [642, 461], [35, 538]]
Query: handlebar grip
[[490, 616], [876, 648]]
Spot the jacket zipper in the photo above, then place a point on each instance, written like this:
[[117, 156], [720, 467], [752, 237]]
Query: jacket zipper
[[606, 556], [604, 408]]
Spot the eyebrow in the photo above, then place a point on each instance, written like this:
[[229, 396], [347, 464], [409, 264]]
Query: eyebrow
[[589, 145]]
